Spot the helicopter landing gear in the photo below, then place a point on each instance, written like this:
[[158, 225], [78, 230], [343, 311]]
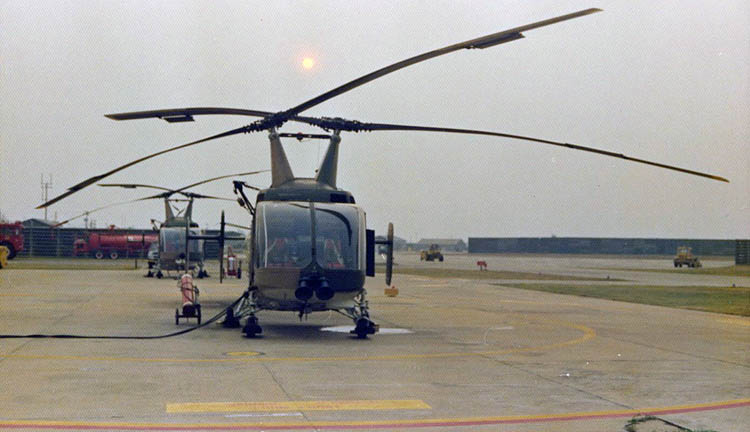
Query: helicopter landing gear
[[360, 313], [247, 307], [231, 320], [150, 274], [159, 274], [251, 328]]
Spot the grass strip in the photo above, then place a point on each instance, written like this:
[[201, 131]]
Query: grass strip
[[488, 274], [727, 300], [733, 270]]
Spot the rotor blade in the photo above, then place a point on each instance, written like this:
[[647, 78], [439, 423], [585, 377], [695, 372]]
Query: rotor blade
[[199, 196], [92, 211], [92, 180], [238, 226], [478, 43], [185, 114], [134, 186], [219, 178], [394, 127]]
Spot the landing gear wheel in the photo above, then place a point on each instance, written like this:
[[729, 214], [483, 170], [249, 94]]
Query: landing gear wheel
[[176, 316], [231, 321], [252, 328], [239, 273], [159, 274], [150, 274], [363, 328], [198, 313]]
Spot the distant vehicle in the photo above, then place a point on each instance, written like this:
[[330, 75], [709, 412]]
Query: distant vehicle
[[685, 257], [113, 245], [153, 255], [11, 236], [432, 254]]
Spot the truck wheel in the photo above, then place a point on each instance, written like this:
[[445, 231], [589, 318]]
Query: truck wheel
[[113, 255], [11, 250], [441, 258], [98, 254]]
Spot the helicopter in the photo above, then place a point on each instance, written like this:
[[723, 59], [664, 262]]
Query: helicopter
[[172, 252], [311, 249]]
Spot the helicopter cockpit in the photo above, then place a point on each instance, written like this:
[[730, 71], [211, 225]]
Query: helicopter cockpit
[[172, 241], [285, 232]]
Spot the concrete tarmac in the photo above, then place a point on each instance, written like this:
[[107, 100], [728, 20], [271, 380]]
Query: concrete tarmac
[[452, 355]]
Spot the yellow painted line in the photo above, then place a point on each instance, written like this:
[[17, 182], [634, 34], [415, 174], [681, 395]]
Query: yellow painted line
[[737, 321], [588, 334], [285, 406], [378, 424], [243, 353]]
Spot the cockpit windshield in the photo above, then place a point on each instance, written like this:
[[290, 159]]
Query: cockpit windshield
[[173, 241], [285, 232]]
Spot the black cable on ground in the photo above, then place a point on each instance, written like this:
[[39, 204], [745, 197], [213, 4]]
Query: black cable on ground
[[177, 333]]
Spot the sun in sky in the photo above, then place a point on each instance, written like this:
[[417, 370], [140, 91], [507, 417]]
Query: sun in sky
[[308, 63]]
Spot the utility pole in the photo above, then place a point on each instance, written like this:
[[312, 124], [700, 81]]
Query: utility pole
[[46, 186]]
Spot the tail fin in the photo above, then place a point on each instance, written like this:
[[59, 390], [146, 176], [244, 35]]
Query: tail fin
[[329, 165], [281, 172]]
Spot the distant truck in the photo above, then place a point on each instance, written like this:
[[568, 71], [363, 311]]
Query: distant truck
[[11, 236], [432, 254], [99, 245], [685, 257]]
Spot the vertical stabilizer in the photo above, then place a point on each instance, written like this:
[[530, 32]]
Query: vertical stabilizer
[[281, 172], [189, 211], [168, 215], [329, 165]]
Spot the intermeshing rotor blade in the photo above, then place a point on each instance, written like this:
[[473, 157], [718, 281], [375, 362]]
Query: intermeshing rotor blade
[[175, 115], [381, 126], [393, 127], [199, 196], [237, 226], [134, 186], [271, 120], [478, 43], [219, 178], [92, 180], [92, 211]]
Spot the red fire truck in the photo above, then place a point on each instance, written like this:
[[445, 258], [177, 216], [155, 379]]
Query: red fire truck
[[11, 236], [114, 245]]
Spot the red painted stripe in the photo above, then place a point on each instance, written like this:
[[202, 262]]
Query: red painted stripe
[[359, 426]]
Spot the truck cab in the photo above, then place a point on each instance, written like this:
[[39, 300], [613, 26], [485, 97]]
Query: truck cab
[[11, 236]]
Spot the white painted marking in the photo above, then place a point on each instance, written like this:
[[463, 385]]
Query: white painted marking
[[347, 329]]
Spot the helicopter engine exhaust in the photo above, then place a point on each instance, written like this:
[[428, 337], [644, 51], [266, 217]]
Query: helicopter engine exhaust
[[313, 283]]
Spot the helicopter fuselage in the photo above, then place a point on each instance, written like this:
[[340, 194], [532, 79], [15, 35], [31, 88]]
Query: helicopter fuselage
[[309, 249]]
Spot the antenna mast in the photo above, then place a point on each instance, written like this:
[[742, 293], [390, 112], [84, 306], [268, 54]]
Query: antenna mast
[[46, 186]]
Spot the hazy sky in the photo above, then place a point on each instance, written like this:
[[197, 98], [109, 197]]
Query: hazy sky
[[666, 81]]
